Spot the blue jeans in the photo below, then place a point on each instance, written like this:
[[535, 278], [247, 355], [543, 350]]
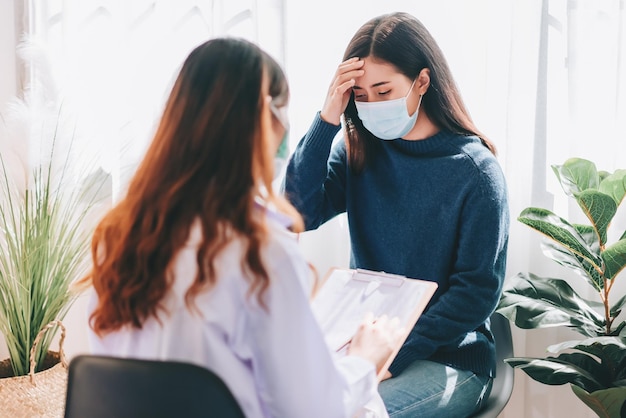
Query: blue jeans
[[429, 389]]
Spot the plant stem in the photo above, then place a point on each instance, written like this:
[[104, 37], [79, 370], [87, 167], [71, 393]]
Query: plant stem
[[607, 308]]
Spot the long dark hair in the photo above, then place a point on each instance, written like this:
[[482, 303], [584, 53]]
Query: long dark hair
[[403, 41], [207, 162]]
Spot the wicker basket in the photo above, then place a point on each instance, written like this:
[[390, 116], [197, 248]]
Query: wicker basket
[[39, 394]]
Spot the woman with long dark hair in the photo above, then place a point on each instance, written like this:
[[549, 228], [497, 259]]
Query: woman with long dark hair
[[425, 198], [198, 261]]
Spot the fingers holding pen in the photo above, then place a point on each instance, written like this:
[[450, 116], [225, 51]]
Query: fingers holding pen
[[376, 338], [390, 327]]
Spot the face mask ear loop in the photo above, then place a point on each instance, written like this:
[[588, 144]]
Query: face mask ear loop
[[411, 89], [419, 103], [420, 99]]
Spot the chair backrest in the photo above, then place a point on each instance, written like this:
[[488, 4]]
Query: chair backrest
[[100, 386], [503, 382]]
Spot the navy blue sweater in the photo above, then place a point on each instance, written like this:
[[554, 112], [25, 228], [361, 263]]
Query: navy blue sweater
[[434, 209]]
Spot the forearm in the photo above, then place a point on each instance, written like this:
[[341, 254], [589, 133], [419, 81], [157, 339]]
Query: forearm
[[308, 171]]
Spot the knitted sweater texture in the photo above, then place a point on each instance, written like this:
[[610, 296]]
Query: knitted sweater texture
[[434, 209]]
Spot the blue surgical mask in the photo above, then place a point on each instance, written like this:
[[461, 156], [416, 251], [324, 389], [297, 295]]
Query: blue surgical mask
[[282, 153], [282, 156], [388, 119]]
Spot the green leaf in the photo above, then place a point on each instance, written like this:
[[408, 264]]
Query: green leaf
[[599, 209], [596, 346], [614, 185], [614, 257], [610, 351], [607, 403], [602, 174], [568, 345], [552, 371], [575, 262], [619, 331], [617, 306], [588, 233], [577, 175], [531, 302], [601, 372], [561, 231]]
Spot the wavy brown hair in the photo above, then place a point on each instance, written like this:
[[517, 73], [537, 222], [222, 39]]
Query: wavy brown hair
[[403, 41], [208, 161]]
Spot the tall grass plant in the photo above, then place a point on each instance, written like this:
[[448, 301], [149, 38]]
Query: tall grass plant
[[44, 244]]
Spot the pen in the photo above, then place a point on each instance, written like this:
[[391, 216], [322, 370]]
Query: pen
[[347, 343]]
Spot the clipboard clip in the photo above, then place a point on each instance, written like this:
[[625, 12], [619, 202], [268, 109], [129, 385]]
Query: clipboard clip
[[388, 279], [371, 288], [375, 279]]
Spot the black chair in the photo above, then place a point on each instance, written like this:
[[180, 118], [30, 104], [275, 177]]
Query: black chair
[[110, 387], [503, 382]]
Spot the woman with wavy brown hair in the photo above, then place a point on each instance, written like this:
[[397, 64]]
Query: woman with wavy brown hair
[[198, 261]]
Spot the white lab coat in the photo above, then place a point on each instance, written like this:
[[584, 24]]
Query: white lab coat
[[275, 361]]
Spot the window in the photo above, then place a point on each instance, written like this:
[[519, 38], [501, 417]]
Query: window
[[115, 60]]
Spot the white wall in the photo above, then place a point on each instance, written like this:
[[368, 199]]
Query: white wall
[[8, 79]]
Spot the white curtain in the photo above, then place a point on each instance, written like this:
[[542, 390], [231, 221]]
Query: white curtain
[[115, 60]]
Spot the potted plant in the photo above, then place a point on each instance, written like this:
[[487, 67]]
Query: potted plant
[[48, 196], [47, 212], [594, 366]]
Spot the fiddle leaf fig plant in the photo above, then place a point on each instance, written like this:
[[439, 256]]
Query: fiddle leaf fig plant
[[595, 366]]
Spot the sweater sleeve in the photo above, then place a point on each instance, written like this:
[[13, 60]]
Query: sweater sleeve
[[475, 280], [315, 179]]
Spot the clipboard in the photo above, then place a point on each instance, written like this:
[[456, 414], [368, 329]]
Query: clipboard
[[345, 296]]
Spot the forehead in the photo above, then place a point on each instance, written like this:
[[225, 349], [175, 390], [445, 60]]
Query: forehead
[[377, 71]]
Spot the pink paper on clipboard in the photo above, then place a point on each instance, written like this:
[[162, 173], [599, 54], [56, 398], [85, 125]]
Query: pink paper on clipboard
[[347, 295]]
